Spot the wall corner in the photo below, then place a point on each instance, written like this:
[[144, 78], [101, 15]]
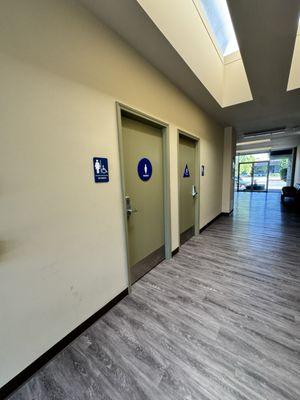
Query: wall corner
[[229, 149]]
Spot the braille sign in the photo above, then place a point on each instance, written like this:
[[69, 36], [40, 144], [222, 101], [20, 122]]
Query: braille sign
[[144, 169], [186, 172], [100, 166]]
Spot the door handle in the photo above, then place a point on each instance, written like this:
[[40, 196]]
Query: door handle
[[194, 191], [129, 209]]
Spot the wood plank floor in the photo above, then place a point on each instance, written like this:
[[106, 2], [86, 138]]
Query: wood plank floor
[[220, 321]]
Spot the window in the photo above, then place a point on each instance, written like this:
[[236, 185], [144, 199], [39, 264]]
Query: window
[[218, 17]]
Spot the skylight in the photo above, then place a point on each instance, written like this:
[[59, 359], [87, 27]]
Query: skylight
[[219, 19]]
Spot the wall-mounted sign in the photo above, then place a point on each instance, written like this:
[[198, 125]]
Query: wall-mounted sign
[[144, 169], [202, 170], [186, 172], [100, 169]]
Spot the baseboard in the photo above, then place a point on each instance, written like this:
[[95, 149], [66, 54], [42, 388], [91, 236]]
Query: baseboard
[[29, 371], [187, 235], [175, 251], [209, 223]]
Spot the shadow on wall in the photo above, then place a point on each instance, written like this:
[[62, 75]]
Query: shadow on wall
[[5, 248]]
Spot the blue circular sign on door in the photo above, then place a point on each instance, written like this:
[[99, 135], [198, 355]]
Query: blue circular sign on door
[[144, 169]]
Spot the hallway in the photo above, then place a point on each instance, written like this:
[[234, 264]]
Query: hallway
[[220, 321]]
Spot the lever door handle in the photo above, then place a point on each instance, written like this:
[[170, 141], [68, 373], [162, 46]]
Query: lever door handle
[[129, 209], [194, 191]]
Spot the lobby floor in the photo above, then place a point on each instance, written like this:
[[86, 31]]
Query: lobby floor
[[220, 321]]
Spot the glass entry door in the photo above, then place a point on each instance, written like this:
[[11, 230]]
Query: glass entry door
[[244, 182], [280, 172], [253, 176], [260, 176]]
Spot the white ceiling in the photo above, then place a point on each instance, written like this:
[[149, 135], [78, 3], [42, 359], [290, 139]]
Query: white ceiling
[[224, 77], [266, 32]]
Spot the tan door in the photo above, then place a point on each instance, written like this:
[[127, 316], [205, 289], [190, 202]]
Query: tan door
[[144, 195], [187, 187]]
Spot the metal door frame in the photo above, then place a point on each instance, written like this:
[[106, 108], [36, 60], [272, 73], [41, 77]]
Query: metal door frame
[[123, 110], [252, 175], [196, 139]]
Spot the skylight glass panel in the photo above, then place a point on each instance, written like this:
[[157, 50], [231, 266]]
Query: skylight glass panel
[[219, 19]]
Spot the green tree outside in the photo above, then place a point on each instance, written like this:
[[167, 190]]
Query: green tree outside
[[245, 169], [284, 163]]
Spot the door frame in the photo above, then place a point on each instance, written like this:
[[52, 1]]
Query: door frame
[[124, 110], [196, 139]]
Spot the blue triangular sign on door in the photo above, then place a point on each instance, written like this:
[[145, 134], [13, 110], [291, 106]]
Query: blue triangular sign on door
[[186, 172]]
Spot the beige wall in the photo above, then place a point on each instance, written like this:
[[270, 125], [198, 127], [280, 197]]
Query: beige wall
[[62, 247]]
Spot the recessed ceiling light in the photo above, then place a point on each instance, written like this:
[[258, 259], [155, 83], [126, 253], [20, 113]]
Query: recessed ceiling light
[[253, 142]]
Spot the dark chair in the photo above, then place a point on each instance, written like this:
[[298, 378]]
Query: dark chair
[[291, 192]]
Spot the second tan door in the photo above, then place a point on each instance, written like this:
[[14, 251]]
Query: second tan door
[[187, 187]]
